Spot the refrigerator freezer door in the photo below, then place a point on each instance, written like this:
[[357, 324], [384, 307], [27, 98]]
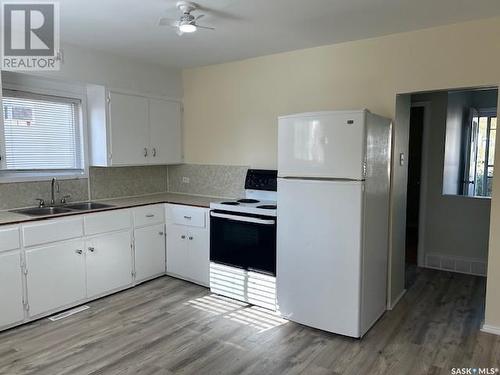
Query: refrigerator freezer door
[[319, 253], [324, 145]]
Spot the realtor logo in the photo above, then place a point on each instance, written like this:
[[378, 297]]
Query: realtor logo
[[30, 38]]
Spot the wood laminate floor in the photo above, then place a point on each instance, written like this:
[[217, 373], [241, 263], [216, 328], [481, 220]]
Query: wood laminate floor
[[168, 326]]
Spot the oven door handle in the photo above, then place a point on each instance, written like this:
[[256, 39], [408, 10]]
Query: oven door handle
[[246, 219]]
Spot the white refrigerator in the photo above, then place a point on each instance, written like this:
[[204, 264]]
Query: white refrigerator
[[333, 219]]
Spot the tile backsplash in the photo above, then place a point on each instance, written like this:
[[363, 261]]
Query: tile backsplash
[[200, 179], [212, 180], [127, 181]]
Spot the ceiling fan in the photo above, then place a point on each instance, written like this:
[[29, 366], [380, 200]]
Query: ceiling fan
[[187, 23]]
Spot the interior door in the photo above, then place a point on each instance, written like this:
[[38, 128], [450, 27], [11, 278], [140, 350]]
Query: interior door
[[149, 252], [165, 130], [199, 254], [56, 276], [11, 288], [128, 117], [324, 144], [177, 251], [109, 263]]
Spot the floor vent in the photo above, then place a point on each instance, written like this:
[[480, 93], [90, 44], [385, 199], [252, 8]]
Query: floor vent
[[68, 313], [443, 262]]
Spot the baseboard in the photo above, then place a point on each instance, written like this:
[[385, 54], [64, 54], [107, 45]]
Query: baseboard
[[396, 301], [490, 329], [444, 262]]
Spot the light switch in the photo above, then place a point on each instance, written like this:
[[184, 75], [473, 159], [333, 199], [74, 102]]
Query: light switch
[[185, 180], [402, 159]]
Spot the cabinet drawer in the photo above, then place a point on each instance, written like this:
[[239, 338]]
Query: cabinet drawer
[[52, 231], [9, 238], [107, 222], [149, 215], [185, 215]]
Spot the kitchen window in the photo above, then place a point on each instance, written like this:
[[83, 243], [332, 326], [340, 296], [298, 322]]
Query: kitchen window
[[41, 136]]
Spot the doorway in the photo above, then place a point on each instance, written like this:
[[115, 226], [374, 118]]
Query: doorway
[[414, 183]]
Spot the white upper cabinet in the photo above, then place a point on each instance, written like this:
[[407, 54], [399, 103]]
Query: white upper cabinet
[[126, 129], [128, 120], [165, 131]]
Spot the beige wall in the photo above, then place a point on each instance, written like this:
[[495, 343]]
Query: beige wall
[[492, 317], [231, 109]]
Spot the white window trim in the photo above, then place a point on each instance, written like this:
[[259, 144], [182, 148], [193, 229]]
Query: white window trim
[[43, 86]]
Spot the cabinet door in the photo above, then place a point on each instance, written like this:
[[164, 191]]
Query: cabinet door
[[177, 251], [165, 128], [149, 252], [109, 263], [128, 119], [199, 255], [11, 288], [56, 276]]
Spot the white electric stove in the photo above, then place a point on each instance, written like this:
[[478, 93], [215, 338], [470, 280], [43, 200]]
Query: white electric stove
[[243, 242]]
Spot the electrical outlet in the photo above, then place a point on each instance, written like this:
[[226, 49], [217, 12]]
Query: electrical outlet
[[185, 180]]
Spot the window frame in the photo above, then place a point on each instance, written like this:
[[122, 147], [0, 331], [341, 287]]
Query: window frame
[[482, 112], [45, 87]]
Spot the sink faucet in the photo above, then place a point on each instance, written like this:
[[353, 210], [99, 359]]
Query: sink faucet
[[52, 191]]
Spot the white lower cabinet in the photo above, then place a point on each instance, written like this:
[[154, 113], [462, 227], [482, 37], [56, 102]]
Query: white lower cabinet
[[109, 263], [177, 250], [199, 255], [51, 265], [149, 252], [11, 289], [188, 253], [55, 276]]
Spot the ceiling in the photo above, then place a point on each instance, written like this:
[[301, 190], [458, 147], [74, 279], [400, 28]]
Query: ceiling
[[250, 28]]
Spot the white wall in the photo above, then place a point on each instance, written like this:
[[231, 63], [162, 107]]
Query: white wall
[[455, 117], [92, 66]]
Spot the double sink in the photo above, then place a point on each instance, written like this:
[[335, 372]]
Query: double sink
[[47, 211]]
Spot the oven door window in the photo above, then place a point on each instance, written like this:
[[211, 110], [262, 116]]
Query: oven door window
[[251, 246]]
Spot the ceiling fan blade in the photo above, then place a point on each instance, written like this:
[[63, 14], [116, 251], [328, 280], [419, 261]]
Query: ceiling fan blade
[[200, 16], [205, 27]]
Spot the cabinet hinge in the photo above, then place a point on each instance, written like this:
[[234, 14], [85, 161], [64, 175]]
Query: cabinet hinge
[[133, 274]]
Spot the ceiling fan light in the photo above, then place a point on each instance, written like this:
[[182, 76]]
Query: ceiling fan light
[[187, 28]]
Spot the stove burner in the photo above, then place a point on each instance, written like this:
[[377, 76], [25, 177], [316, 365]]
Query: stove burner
[[247, 200], [267, 206], [230, 203]]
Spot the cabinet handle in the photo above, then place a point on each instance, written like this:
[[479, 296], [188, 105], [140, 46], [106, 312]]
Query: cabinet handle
[[150, 215], [91, 249], [161, 233], [187, 217], [190, 238], [79, 252], [154, 152], [145, 152], [183, 237]]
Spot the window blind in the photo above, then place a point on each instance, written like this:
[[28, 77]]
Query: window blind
[[41, 132]]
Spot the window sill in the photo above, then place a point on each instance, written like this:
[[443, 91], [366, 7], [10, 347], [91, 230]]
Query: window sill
[[479, 197], [30, 176]]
